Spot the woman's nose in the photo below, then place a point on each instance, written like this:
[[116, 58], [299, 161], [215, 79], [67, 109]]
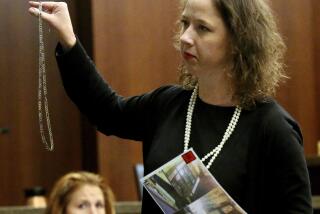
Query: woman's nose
[[94, 210], [187, 37]]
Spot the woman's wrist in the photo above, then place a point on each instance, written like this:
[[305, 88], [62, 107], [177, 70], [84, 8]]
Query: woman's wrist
[[68, 43]]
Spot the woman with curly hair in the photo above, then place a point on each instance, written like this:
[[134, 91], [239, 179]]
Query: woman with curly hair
[[231, 65], [81, 193]]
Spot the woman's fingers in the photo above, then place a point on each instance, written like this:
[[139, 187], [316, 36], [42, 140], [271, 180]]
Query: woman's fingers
[[45, 4], [44, 15], [35, 12], [49, 10], [48, 7], [56, 14]]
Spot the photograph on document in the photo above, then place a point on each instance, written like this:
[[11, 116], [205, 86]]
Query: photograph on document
[[185, 185]]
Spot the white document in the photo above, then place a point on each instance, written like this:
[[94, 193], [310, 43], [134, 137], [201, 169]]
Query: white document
[[185, 185]]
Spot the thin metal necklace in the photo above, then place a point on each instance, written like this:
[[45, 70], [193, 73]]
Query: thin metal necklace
[[232, 124], [43, 88]]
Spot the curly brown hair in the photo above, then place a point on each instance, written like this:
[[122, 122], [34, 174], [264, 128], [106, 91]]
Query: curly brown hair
[[64, 188], [257, 50]]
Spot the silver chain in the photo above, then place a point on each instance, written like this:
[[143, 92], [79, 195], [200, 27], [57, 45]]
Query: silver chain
[[43, 88]]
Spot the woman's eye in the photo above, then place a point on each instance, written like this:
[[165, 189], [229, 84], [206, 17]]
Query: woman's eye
[[184, 24], [203, 28], [100, 205], [83, 205]]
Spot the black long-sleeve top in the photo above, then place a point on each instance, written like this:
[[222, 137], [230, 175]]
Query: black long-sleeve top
[[261, 166]]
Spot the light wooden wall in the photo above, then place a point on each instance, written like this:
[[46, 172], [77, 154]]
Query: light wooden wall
[[300, 94], [133, 49], [316, 45]]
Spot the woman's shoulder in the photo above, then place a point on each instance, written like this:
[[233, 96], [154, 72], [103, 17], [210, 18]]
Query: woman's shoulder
[[168, 90], [276, 119], [272, 110], [168, 93]]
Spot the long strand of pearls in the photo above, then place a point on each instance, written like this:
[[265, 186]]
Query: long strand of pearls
[[232, 124]]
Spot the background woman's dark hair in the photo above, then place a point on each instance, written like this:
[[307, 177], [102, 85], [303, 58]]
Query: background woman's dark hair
[[257, 50]]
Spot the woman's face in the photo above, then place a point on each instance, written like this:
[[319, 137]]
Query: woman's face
[[86, 199], [205, 44]]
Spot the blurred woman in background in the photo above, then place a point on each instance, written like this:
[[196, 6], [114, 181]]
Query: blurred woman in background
[[81, 193]]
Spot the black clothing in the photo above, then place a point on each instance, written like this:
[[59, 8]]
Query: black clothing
[[261, 166]]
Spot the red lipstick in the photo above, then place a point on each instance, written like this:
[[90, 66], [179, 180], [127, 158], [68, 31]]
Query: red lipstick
[[188, 56]]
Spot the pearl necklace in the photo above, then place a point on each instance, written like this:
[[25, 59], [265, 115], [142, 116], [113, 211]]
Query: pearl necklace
[[232, 124]]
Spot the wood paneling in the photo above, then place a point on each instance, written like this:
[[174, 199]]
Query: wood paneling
[[316, 39], [133, 49], [299, 94], [23, 160], [82, 22]]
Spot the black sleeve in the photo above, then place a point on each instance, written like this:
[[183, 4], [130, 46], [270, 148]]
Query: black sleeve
[[112, 114], [287, 182]]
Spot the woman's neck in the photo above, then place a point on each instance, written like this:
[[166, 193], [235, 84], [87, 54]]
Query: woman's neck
[[217, 90]]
